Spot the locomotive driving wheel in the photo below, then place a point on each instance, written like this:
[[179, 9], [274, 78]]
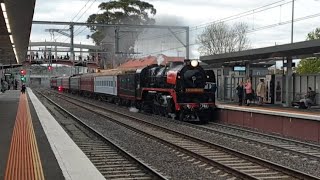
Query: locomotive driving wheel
[[181, 116], [155, 109]]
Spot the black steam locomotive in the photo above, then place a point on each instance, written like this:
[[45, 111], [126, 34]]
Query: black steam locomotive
[[183, 90]]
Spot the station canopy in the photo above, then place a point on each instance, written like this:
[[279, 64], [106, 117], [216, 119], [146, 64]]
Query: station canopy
[[15, 27], [296, 50]]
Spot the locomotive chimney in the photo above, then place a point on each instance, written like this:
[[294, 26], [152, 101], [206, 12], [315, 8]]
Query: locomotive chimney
[[187, 62], [176, 63]]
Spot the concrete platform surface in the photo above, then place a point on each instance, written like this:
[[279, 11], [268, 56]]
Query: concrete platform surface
[[34, 145], [73, 162], [311, 114]]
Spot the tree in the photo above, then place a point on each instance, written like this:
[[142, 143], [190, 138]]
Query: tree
[[121, 12], [310, 65], [314, 34], [221, 38]]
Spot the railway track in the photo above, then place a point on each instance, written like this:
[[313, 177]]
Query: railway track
[[238, 164], [307, 151], [110, 159], [303, 149]]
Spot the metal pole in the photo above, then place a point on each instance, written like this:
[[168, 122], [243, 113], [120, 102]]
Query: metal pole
[[292, 21], [289, 66], [117, 39], [72, 46], [187, 43], [56, 53]]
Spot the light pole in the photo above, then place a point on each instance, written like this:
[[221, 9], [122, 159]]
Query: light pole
[[289, 87], [292, 21]]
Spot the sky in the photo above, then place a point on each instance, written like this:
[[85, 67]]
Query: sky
[[195, 14]]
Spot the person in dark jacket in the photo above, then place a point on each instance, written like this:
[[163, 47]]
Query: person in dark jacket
[[240, 92], [23, 88]]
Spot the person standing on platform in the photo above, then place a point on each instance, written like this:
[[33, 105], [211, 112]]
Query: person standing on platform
[[15, 84], [261, 91], [23, 88], [2, 86], [249, 94], [240, 92]]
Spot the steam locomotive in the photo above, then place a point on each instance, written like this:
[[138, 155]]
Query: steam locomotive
[[183, 90]]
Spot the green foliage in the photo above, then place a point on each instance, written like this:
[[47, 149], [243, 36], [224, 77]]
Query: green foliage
[[121, 12], [309, 66], [314, 34]]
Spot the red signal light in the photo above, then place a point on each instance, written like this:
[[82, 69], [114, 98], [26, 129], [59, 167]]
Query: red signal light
[[22, 72], [60, 88], [49, 68]]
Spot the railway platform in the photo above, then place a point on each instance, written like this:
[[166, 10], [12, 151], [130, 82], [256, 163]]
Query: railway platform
[[34, 145], [288, 122]]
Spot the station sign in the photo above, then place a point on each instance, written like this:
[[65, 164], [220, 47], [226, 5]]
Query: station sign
[[239, 68]]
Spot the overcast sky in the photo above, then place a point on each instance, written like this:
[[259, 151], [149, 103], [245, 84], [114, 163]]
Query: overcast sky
[[192, 13]]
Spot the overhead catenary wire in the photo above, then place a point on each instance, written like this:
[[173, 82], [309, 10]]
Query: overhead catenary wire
[[80, 18], [200, 26], [74, 17], [226, 19], [257, 29]]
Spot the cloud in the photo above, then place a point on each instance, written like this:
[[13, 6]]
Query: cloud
[[194, 13]]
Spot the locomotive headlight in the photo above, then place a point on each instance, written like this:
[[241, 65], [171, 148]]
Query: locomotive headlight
[[194, 63]]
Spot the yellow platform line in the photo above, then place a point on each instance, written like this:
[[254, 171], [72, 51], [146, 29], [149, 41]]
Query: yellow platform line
[[24, 160]]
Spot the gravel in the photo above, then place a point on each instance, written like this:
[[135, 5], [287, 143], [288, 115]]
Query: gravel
[[160, 157], [294, 162]]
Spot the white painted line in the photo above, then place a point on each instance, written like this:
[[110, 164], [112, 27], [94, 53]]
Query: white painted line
[[270, 112], [74, 164]]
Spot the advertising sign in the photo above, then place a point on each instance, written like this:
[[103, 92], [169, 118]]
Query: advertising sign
[[278, 89]]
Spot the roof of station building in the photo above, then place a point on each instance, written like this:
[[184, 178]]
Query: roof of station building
[[15, 26], [295, 50]]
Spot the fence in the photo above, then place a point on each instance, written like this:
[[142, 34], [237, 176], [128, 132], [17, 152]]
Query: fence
[[227, 86], [301, 84]]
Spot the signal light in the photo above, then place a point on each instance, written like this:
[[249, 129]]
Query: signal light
[[23, 78], [60, 88], [22, 72], [49, 68]]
